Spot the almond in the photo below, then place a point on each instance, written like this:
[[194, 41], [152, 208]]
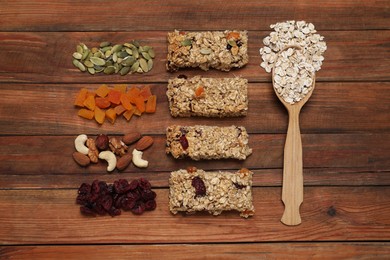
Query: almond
[[144, 143], [81, 159], [124, 161], [130, 138]]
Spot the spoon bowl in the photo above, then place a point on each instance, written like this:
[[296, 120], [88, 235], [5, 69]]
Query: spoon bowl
[[292, 190]]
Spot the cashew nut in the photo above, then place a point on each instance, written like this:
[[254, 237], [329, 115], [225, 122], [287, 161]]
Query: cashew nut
[[79, 144], [137, 159], [110, 158]]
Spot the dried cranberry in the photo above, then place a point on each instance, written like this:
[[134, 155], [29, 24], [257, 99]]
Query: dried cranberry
[[106, 202], [198, 184], [121, 186], [182, 76], [87, 211], [114, 211], [133, 195], [139, 208], [95, 186], [110, 188], [133, 184], [128, 204], [84, 188], [184, 142], [148, 195], [83, 198], [118, 201], [239, 186], [144, 184], [99, 208], [150, 205]]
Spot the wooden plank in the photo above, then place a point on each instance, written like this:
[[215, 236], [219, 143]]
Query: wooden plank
[[51, 155], [261, 178], [311, 250], [328, 213], [46, 57], [39, 109], [65, 15]]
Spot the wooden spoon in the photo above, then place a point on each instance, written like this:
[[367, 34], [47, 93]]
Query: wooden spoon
[[292, 191]]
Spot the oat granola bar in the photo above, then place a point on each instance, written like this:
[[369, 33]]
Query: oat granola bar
[[207, 142], [194, 190], [209, 97], [222, 50]]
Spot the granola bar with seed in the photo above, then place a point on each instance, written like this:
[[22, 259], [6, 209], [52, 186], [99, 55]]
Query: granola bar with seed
[[207, 142], [222, 50], [209, 97], [221, 191]]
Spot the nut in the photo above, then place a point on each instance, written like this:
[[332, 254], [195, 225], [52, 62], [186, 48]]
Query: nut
[[124, 161], [137, 159], [93, 153], [117, 146], [79, 144], [110, 158], [144, 143], [191, 169], [81, 159], [130, 138], [102, 142]]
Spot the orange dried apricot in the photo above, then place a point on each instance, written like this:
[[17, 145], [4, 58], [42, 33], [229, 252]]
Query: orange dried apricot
[[125, 101], [114, 96], [145, 93], [111, 115], [151, 104], [102, 91], [100, 115], [80, 98], [89, 102], [102, 102], [85, 113]]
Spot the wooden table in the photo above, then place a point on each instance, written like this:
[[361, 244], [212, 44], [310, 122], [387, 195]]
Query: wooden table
[[345, 133]]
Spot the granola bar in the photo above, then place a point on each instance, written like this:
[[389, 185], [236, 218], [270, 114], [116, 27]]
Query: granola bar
[[222, 50], [209, 97], [194, 190], [207, 142]]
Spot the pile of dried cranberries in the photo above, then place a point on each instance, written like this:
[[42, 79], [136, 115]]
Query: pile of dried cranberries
[[101, 198]]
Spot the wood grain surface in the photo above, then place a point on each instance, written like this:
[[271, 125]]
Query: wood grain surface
[[345, 130]]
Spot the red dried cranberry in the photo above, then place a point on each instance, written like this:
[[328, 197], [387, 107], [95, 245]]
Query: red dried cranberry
[[133, 184], [239, 186], [118, 201], [144, 184], [139, 208], [128, 204], [103, 187], [114, 211], [133, 195], [121, 186], [83, 198], [198, 184], [95, 186], [87, 211], [110, 188], [184, 142], [99, 208], [148, 195], [150, 205], [84, 188], [106, 202]]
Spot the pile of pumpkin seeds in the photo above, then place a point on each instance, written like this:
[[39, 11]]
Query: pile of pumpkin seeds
[[110, 59]]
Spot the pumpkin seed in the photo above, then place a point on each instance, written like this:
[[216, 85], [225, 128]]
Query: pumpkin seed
[[147, 48], [135, 66], [84, 46], [98, 68], [205, 51], [135, 53], [151, 52], [79, 49], [135, 43], [77, 55], [115, 57], [104, 44], [124, 71], [232, 43], [105, 49], [128, 61], [150, 64], [116, 48], [108, 53], [85, 54], [75, 63], [129, 51], [98, 54], [117, 68], [119, 60], [94, 50], [88, 64], [144, 65], [129, 45], [109, 70], [186, 42], [81, 66], [91, 71], [97, 61], [122, 54], [146, 55]]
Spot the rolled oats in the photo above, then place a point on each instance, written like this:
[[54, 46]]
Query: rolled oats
[[224, 191], [207, 50], [208, 142], [209, 97]]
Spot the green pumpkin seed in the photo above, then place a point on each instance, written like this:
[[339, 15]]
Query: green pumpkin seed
[[144, 65], [84, 46], [98, 54], [105, 49], [122, 54], [128, 61], [97, 61], [75, 63], [140, 49], [88, 64], [109, 63], [232, 43], [91, 71], [115, 57], [186, 42], [135, 53], [124, 71], [147, 48], [119, 60], [104, 44], [117, 68], [205, 51], [77, 55], [129, 51], [146, 55], [94, 50], [116, 48], [98, 68], [135, 43], [85, 54], [129, 45], [109, 70], [108, 53], [135, 66], [81, 67], [150, 64], [151, 52], [79, 49]]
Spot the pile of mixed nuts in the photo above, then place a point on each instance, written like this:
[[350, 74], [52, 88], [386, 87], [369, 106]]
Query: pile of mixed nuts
[[111, 59], [114, 150]]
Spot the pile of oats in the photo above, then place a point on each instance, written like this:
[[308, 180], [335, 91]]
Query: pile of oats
[[308, 55]]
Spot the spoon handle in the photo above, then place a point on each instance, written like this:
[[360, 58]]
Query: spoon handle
[[292, 192]]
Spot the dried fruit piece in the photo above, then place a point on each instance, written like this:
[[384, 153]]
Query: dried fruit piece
[[119, 110], [111, 115], [184, 142], [140, 104], [102, 91], [144, 143], [80, 98], [121, 88], [114, 97], [233, 35], [85, 113], [89, 102], [100, 115], [129, 114], [200, 188], [145, 93], [151, 104], [102, 102], [199, 92], [125, 101]]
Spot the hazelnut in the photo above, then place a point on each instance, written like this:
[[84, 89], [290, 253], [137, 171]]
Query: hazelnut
[[102, 142]]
